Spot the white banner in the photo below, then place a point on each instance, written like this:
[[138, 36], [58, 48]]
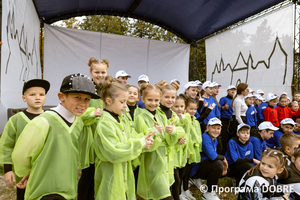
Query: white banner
[[68, 50], [20, 55], [259, 53]]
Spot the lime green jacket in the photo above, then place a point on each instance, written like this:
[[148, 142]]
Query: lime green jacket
[[86, 139], [195, 140], [48, 150], [116, 145]]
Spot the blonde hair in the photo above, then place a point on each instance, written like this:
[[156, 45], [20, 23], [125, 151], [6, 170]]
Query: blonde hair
[[146, 87], [129, 86], [281, 162], [188, 100], [164, 86], [93, 61], [287, 139], [110, 89]]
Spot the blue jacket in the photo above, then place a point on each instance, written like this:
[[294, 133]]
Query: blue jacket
[[275, 140], [215, 112], [209, 148], [140, 103], [227, 113], [259, 145], [237, 152], [260, 109], [251, 116]]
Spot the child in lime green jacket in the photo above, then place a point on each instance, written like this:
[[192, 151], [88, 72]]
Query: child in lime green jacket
[[98, 71], [168, 96], [116, 145]]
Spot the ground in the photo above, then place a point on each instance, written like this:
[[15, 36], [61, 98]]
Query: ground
[[7, 194]]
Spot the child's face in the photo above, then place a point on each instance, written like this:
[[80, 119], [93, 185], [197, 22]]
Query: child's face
[[209, 90], [168, 98], [249, 101], [191, 109], [98, 73], [265, 135], [140, 83], [76, 103], [257, 101], [231, 92], [244, 135], [296, 97], [283, 102], [214, 130], [216, 90], [297, 127], [178, 106], [152, 100], [35, 98], [287, 128], [119, 104], [191, 92], [261, 94], [123, 79], [133, 96], [273, 102], [296, 161], [268, 167], [295, 107], [291, 147]]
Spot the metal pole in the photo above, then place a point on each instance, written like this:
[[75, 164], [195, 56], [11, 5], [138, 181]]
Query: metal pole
[[41, 49]]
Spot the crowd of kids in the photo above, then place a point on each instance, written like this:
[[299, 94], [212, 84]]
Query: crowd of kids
[[150, 141]]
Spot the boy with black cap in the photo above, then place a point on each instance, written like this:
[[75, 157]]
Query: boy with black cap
[[48, 146], [34, 94]]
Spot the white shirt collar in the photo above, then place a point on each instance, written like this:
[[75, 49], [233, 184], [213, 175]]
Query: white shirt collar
[[65, 113]]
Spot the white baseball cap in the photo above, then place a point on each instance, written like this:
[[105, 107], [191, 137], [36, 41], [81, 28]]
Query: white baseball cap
[[231, 87], [122, 73], [143, 77], [259, 97], [198, 82], [191, 84], [282, 93], [288, 121], [267, 125], [173, 80], [250, 90], [214, 121], [242, 125], [249, 95], [259, 92], [207, 84], [216, 84], [271, 96]]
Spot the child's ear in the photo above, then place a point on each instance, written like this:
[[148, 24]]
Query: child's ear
[[280, 171], [23, 98], [288, 150], [61, 97], [108, 101]]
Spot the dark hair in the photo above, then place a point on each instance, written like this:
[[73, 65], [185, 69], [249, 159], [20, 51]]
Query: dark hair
[[188, 100]]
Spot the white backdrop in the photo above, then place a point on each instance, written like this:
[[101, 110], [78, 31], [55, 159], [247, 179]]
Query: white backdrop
[[20, 57], [68, 50], [259, 53]]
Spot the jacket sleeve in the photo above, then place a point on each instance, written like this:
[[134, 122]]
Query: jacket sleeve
[[266, 114], [204, 115], [238, 106], [88, 116], [208, 149], [113, 148], [141, 127], [257, 151], [29, 145], [7, 143]]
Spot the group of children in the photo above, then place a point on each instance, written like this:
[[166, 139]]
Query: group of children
[[146, 141]]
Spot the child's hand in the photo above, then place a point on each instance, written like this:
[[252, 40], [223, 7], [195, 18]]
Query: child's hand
[[225, 107], [286, 196], [205, 104], [212, 106], [23, 183], [98, 112], [225, 167], [200, 98], [181, 141], [169, 129], [256, 161], [9, 178], [149, 140], [158, 127]]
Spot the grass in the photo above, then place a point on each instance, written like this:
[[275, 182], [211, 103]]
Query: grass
[[9, 194]]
